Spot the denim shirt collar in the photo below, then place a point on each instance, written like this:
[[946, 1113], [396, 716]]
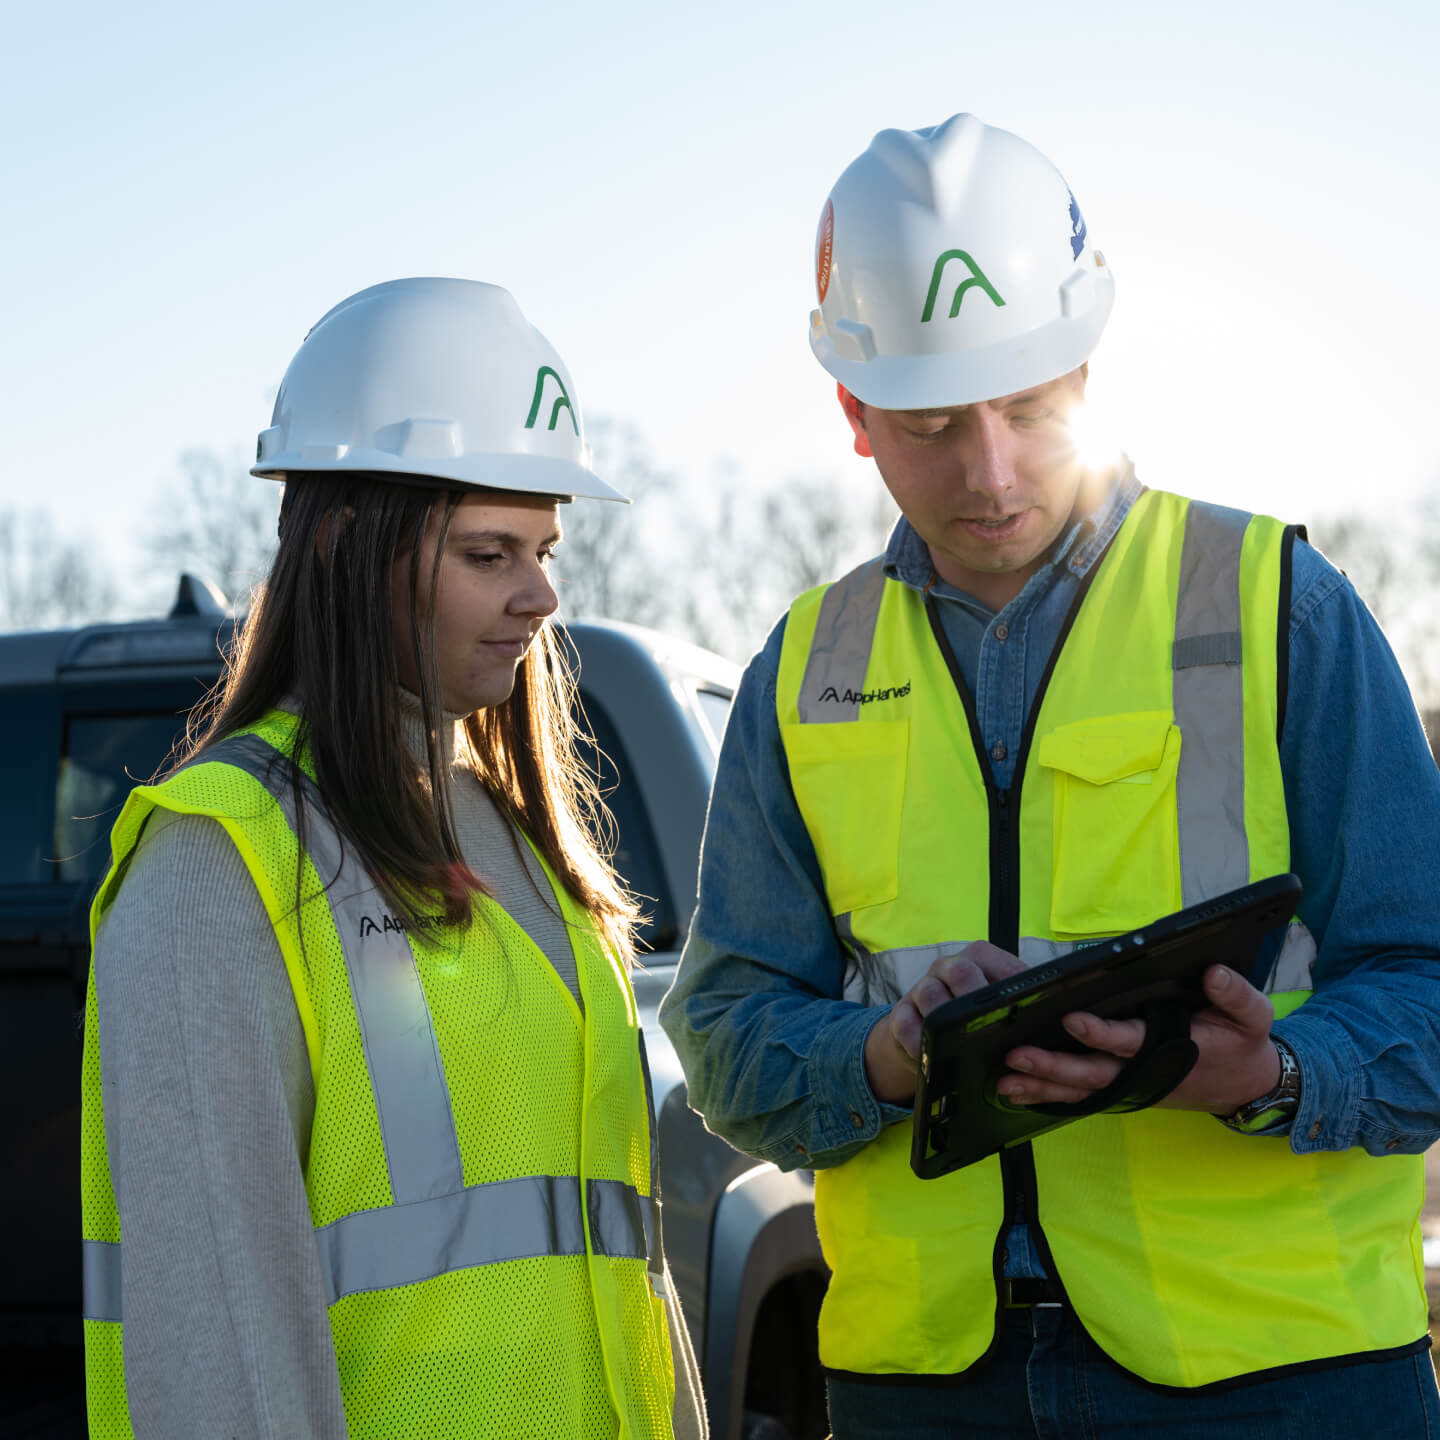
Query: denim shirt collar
[[907, 557]]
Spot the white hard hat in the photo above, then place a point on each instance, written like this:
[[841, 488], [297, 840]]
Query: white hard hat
[[952, 265], [438, 380]]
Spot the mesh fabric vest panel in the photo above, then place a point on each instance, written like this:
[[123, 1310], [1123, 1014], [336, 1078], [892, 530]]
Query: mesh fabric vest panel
[[1192, 1254], [480, 1304]]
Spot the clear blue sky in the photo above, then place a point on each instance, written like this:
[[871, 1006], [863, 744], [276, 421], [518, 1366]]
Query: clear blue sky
[[187, 188]]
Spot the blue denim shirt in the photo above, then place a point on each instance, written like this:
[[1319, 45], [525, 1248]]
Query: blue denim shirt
[[774, 1057]]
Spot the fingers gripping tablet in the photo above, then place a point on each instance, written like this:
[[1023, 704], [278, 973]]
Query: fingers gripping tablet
[[1153, 973]]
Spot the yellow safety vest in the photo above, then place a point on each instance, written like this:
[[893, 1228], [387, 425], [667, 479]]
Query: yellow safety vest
[[1149, 779], [482, 1158]]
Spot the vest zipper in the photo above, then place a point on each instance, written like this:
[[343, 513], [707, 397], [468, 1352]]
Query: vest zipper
[[1017, 1164]]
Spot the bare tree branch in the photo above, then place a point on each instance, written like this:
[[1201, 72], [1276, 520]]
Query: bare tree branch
[[45, 580], [1398, 578], [1368, 556], [612, 562], [216, 520], [763, 549]]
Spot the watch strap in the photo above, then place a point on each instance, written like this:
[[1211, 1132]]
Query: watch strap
[[1278, 1104]]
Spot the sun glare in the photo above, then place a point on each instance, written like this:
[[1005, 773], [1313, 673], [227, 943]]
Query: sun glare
[[1096, 435]]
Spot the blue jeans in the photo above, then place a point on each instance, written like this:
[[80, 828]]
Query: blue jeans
[[1047, 1380]]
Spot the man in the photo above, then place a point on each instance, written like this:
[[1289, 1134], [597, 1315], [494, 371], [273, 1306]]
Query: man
[[1059, 706]]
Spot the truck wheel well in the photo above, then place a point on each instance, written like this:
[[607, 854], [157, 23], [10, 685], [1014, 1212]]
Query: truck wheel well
[[783, 1379]]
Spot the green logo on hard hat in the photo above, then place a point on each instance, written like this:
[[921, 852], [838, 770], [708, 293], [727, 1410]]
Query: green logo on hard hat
[[977, 277], [561, 400]]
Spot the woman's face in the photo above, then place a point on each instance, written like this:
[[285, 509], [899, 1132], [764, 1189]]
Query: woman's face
[[492, 595]]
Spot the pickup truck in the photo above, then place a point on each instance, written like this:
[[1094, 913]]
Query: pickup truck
[[88, 712]]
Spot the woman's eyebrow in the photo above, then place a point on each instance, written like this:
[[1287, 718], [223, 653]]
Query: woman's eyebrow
[[498, 537]]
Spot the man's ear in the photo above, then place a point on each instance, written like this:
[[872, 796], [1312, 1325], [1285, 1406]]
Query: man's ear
[[856, 416]]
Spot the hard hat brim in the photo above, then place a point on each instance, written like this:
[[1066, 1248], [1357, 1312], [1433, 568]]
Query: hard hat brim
[[967, 377], [522, 474]]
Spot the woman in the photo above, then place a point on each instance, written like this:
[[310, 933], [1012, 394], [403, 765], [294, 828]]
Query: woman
[[367, 1146]]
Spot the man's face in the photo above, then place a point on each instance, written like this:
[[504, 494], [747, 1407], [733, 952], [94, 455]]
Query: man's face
[[988, 487]]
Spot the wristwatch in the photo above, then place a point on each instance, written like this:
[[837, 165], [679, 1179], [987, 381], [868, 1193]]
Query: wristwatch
[[1279, 1104]]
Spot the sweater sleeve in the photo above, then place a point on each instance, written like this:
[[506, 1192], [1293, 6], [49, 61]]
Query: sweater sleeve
[[208, 1100], [689, 1420]]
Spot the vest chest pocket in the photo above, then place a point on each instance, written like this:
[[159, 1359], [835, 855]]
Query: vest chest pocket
[[849, 781], [1116, 848]]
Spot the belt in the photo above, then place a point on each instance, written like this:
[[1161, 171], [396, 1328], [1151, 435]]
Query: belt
[[1030, 1290]]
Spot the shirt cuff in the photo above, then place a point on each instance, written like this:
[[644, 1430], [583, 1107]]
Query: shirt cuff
[[845, 1114], [1326, 1117]]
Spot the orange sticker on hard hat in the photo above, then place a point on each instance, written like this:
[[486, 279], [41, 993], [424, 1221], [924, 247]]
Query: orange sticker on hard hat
[[824, 246]]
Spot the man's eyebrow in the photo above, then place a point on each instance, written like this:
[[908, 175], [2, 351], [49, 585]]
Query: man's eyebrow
[[499, 537], [1028, 397]]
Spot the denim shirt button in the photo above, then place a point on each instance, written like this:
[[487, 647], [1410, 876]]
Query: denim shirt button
[[1392, 1144], [1002, 632], [997, 750], [857, 1119], [800, 1150], [1315, 1131]]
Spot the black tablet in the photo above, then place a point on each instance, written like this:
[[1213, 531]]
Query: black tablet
[[1152, 973]]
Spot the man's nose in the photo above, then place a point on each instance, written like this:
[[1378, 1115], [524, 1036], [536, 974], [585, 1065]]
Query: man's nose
[[990, 465]]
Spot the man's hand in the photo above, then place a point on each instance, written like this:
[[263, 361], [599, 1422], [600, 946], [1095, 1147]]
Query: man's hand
[[892, 1048], [1237, 1061]]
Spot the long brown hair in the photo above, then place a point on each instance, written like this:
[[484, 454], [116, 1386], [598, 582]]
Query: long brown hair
[[322, 629]]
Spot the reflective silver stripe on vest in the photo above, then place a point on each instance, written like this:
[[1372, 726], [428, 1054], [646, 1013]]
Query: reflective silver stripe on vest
[[436, 1225], [1035, 951], [417, 1124], [1294, 966], [1209, 705], [840, 650], [1221, 649], [871, 978], [484, 1225], [622, 1222], [880, 977], [100, 1269]]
